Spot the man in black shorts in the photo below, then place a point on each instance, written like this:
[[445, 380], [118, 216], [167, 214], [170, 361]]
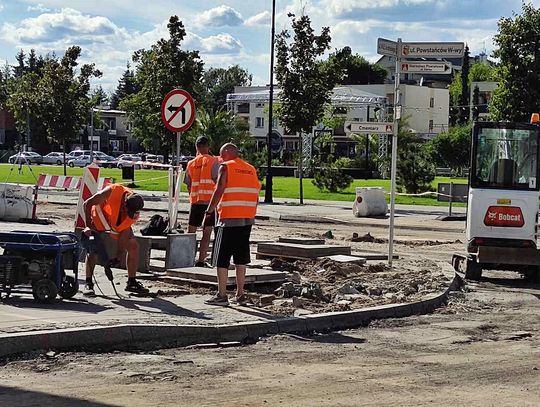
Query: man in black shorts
[[236, 198], [201, 176]]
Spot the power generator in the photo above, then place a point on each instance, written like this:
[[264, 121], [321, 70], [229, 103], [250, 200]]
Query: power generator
[[37, 262]]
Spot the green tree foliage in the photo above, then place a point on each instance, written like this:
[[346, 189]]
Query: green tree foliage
[[464, 98], [127, 86], [98, 96], [355, 69], [518, 74], [415, 170], [305, 83], [62, 94], [220, 127], [218, 82], [451, 149], [160, 69]]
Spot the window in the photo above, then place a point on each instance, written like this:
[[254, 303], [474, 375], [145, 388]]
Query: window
[[505, 157], [430, 126], [274, 123], [259, 105], [431, 102], [259, 122]]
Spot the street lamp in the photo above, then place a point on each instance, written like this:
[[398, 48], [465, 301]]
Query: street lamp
[[268, 187]]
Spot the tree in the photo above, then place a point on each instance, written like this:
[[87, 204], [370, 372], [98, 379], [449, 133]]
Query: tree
[[475, 103], [63, 96], [451, 149], [127, 86], [464, 99], [355, 69], [220, 127], [305, 83], [518, 73], [218, 82], [98, 96], [163, 67], [415, 170]]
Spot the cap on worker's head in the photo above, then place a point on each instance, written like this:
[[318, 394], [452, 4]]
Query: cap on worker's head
[[134, 203], [202, 141]]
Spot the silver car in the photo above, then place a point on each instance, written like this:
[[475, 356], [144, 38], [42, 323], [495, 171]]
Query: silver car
[[26, 157], [54, 158], [80, 161]]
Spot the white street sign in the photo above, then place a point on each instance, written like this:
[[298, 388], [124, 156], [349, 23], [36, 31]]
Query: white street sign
[[426, 67], [432, 49], [178, 110], [386, 47], [369, 127]]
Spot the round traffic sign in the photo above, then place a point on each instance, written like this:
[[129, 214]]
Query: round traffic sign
[[178, 110], [276, 142]]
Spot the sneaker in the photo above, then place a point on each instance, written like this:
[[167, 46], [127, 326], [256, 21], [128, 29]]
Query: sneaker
[[88, 290], [217, 300], [202, 264], [242, 300], [136, 287]]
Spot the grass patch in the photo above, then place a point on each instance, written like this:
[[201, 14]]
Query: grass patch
[[283, 187]]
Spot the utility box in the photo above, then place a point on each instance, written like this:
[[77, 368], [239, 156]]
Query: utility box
[[128, 172]]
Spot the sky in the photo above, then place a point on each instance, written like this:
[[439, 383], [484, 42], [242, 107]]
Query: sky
[[230, 32]]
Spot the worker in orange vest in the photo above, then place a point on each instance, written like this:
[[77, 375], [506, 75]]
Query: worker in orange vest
[[110, 213], [236, 198], [201, 177]]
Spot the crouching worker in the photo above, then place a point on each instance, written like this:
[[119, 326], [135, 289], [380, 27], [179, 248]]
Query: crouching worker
[[110, 213]]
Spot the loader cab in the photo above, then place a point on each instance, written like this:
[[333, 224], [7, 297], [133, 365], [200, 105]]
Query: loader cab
[[503, 185]]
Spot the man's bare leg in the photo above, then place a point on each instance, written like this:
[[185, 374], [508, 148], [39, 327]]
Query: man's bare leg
[[222, 275], [90, 265], [240, 279], [205, 242]]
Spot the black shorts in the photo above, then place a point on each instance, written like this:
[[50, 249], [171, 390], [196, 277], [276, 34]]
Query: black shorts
[[231, 241], [196, 216]]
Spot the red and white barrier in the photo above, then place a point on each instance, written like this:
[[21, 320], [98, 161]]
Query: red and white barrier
[[66, 182]]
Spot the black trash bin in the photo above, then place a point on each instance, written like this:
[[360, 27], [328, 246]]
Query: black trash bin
[[128, 172]]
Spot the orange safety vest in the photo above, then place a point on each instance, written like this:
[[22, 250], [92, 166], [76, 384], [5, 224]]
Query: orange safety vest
[[105, 215], [241, 194], [200, 173]]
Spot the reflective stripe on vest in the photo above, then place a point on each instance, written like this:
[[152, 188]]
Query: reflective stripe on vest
[[104, 216], [200, 172], [241, 192]]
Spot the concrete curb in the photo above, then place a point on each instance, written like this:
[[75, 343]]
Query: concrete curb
[[160, 336]]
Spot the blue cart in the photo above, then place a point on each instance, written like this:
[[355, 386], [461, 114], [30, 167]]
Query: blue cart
[[38, 261]]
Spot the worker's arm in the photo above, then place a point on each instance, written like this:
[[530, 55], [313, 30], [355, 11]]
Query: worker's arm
[[96, 199], [187, 181], [220, 188]]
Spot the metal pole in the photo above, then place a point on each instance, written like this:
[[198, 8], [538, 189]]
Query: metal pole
[[92, 134], [268, 186], [301, 167], [394, 154], [450, 200]]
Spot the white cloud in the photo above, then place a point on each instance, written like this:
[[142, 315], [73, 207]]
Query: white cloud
[[338, 7], [1, 6], [64, 26], [219, 17], [38, 7], [219, 44], [261, 19]]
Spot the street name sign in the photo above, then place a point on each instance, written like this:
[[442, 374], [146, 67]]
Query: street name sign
[[369, 127], [386, 47], [178, 110], [432, 49], [426, 67]]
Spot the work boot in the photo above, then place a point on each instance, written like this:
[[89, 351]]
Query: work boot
[[88, 290], [241, 300], [136, 287]]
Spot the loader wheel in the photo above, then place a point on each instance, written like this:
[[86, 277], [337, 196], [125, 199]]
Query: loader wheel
[[473, 270], [69, 287], [44, 290]]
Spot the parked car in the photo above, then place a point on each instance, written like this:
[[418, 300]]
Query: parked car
[[54, 158], [104, 160], [129, 160], [26, 157], [184, 159], [78, 153], [80, 161]]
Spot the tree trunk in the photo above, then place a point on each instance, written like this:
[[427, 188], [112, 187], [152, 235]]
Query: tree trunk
[[64, 149]]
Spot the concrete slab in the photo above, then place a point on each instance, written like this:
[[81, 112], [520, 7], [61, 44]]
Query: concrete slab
[[341, 258], [374, 255], [299, 251], [301, 240], [203, 274], [181, 250]]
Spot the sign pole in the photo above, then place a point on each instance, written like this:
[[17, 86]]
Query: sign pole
[[393, 170]]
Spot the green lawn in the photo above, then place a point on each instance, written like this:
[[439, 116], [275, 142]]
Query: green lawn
[[284, 187]]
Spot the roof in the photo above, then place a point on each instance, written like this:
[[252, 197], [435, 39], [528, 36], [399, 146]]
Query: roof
[[341, 96]]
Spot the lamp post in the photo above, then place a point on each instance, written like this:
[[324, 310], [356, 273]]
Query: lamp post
[[268, 186]]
